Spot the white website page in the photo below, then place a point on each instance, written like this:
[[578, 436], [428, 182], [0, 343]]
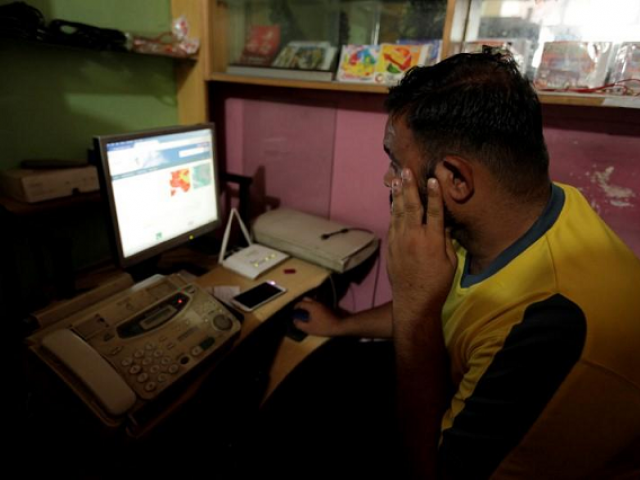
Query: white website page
[[163, 187]]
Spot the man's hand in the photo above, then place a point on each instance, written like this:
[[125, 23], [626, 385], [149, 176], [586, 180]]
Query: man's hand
[[322, 321], [422, 260], [421, 266]]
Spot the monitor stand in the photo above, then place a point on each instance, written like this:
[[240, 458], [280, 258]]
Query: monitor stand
[[197, 257], [144, 269], [160, 264]]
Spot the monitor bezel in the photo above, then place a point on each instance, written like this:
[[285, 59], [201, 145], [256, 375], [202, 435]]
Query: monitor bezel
[[100, 145]]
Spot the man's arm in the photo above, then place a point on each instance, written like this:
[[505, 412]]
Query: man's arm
[[514, 379], [423, 389], [421, 265], [373, 323]]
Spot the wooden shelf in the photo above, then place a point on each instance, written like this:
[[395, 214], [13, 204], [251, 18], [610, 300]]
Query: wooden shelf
[[43, 208], [571, 99], [214, 58], [588, 99], [283, 82], [551, 98], [97, 51]]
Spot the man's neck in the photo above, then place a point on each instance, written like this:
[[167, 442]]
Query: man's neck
[[502, 229]]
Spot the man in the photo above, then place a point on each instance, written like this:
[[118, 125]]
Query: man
[[516, 311]]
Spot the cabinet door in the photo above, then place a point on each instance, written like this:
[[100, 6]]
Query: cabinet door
[[309, 35], [574, 45]]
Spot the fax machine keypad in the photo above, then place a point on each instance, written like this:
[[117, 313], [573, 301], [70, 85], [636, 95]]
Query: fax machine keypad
[[175, 348], [149, 369]]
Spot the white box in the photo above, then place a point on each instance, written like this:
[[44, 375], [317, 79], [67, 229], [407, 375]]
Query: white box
[[317, 240], [254, 260], [37, 185]]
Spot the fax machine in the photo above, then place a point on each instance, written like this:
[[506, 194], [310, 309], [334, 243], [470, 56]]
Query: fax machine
[[123, 352]]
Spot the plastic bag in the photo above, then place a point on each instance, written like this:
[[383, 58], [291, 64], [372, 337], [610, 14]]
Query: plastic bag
[[176, 43]]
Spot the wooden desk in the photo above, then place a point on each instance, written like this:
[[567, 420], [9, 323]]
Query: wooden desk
[[283, 355], [198, 421], [306, 278]]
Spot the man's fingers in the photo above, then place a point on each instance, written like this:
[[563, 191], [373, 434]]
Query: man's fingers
[[435, 211], [304, 302], [407, 208]]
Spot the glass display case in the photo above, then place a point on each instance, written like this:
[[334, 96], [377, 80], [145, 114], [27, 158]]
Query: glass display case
[[584, 52], [308, 39], [575, 46]]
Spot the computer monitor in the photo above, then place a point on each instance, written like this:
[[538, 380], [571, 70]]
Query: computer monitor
[[162, 188]]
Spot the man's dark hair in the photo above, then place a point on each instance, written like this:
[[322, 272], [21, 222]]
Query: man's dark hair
[[477, 106]]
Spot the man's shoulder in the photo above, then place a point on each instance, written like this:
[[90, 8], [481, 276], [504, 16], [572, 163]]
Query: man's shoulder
[[581, 236]]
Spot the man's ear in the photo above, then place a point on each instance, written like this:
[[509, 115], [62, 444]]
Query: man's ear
[[456, 177]]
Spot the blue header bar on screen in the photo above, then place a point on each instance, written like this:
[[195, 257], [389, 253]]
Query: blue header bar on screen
[[144, 155]]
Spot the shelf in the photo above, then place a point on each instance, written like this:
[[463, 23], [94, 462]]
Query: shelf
[[79, 48], [551, 98], [312, 85], [461, 21], [589, 99], [17, 207]]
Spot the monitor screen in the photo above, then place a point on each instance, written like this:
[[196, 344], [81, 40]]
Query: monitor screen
[[161, 186]]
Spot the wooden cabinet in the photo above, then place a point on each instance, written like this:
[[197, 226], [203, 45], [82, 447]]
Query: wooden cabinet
[[224, 26]]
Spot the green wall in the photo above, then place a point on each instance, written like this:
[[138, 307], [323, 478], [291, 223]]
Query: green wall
[[53, 100]]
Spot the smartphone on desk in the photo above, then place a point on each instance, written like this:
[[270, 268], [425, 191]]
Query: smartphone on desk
[[257, 296]]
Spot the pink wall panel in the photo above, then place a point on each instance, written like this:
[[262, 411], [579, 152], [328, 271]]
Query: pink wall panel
[[234, 122], [328, 160], [358, 195], [288, 149], [606, 168]]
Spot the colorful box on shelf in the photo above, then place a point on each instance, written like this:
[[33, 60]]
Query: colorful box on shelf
[[296, 61], [384, 64], [626, 68], [573, 65]]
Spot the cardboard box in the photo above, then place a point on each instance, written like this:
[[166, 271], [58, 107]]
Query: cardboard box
[[33, 186]]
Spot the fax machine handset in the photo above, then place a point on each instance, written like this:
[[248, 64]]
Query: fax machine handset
[[113, 393], [146, 350]]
